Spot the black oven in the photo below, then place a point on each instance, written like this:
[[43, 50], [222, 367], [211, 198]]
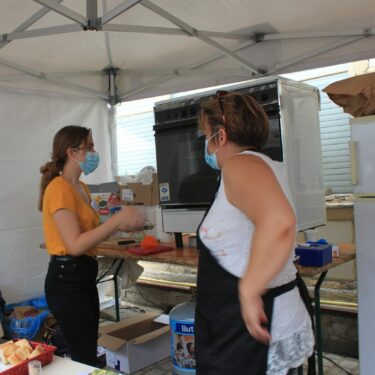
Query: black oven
[[185, 180]]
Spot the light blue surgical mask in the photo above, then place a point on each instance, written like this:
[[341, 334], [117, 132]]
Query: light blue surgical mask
[[90, 163], [211, 159]]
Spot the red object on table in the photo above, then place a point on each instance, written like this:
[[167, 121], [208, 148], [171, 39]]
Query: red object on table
[[158, 249], [44, 358]]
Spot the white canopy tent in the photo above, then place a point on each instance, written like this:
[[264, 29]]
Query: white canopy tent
[[139, 48], [62, 61]]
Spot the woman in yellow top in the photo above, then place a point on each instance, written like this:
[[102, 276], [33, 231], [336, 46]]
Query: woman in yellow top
[[72, 232]]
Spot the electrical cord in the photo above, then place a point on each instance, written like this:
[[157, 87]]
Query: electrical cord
[[336, 364]]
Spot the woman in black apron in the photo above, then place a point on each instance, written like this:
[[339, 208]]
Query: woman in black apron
[[224, 344]]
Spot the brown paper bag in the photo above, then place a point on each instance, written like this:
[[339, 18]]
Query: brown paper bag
[[356, 95]]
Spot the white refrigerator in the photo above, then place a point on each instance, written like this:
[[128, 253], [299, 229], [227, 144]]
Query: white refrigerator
[[362, 153]]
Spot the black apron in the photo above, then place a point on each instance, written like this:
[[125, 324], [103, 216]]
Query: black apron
[[223, 344]]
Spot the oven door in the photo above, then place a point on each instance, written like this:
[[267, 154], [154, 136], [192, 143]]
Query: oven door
[[184, 177], [273, 147]]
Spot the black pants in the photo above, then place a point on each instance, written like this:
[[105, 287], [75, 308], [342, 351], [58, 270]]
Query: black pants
[[72, 297]]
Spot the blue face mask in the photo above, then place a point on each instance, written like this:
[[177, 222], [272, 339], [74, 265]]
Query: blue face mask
[[210, 159], [90, 163]]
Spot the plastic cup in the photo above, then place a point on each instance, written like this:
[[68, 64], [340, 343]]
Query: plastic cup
[[311, 235], [35, 368]]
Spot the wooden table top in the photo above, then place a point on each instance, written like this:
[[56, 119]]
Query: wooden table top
[[188, 256]]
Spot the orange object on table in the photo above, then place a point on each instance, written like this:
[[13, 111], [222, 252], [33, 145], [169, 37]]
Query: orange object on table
[[149, 243]]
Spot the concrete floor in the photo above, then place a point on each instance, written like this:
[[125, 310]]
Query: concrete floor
[[165, 367], [349, 364]]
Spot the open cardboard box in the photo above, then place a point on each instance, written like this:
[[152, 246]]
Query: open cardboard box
[[136, 342], [137, 193]]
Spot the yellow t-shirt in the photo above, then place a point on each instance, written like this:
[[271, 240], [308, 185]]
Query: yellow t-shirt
[[61, 194]]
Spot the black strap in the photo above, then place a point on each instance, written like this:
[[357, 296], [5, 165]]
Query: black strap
[[278, 290], [311, 370]]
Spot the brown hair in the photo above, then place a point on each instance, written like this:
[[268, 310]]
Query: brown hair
[[71, 136], [245, 121]]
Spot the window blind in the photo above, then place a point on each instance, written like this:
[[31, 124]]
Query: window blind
[[135, 135], [335, 135]]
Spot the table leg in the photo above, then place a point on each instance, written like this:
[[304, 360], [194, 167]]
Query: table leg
[[117, 303], [318, 326]]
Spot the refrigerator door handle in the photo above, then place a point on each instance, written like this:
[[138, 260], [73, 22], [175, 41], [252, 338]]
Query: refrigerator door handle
[[353, 162]]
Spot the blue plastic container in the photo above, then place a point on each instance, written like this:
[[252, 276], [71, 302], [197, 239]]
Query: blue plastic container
[[314, 255]]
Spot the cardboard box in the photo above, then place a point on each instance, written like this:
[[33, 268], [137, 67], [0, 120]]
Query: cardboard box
[[137, 193], [136, 342]]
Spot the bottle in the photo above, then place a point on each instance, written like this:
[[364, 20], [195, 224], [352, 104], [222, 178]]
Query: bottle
[[181, 320]]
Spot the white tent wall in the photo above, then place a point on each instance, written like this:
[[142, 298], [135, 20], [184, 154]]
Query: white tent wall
[[28, 125]]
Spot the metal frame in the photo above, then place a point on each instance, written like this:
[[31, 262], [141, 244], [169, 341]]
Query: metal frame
[[121, 8], [193, 67], [91, 21], [318, 324], [196, 33], [315, 52], [117, 265], [64, 11]]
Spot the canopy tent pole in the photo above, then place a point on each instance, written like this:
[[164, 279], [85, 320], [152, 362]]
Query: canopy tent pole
[[155, 30], [313, 53], [64, 11], [42, 32], [192, 67], [121, 8], [112, 87], [30, 21], [58, 81], [320, 34]]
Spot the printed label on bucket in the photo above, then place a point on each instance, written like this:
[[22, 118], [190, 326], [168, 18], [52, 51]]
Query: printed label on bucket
[[182, 345]]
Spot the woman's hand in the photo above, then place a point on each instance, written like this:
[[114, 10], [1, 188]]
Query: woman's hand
[[253, 314], [130, 219]]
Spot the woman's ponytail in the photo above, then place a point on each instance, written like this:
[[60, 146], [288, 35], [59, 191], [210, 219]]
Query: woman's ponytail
[[49, 171]]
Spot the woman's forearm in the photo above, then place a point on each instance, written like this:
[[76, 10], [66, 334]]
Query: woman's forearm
[[271, 247], [90, 239]]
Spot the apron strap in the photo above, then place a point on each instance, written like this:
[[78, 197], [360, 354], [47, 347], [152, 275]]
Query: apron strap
[[311, 370], [278, 290]]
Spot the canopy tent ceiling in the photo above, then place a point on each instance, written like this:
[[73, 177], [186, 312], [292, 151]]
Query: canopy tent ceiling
[[124, 50]]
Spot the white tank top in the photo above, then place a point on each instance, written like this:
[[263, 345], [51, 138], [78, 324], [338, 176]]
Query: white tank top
[[227, 232]]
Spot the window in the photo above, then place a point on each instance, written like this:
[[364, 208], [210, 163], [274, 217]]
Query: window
[[334, 128], [135, 135], [334, 138]]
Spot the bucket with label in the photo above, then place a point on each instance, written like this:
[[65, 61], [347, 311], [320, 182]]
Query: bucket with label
[[181, 321]]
